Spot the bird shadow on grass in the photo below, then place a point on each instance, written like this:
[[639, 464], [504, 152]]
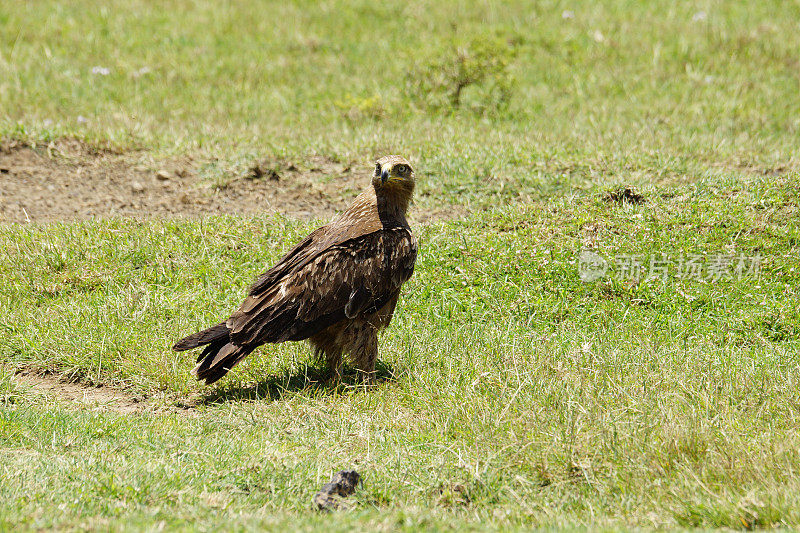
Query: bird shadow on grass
[[308, 378]]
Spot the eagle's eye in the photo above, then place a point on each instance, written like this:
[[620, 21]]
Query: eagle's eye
[[377, 169], [401, 169]]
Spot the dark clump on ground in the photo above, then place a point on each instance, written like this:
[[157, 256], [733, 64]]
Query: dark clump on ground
[[342, 485], [623, 195]]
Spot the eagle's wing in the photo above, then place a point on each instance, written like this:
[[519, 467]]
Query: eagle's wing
[[306, 250], [317, 285], [293, 259]]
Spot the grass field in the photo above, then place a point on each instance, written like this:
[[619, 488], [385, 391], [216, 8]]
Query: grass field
[[514, 393]]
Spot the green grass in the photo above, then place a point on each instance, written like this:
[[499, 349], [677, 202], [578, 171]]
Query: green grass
[[518, 395], [628, 90], [514, 395]]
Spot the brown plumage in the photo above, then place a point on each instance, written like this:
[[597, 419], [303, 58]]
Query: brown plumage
[[336, 288]]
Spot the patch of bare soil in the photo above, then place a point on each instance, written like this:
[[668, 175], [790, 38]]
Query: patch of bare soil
[[99, 397], [102, 397], [69, 180]]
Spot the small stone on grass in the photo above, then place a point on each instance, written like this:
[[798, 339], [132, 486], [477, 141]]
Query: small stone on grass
[[331, 496]]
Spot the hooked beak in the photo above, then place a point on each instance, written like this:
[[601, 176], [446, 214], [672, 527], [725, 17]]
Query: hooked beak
[[384, 176]]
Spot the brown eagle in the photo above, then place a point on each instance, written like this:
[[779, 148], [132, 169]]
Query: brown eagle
[[337, 288]]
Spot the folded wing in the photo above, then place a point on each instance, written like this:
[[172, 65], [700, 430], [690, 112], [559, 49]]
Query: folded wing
[[320, 285]]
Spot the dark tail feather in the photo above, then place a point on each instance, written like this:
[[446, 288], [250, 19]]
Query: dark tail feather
[[217, 359], [213, 334]]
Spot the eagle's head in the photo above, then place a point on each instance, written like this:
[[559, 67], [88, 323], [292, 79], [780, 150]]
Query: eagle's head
[[393, 174]]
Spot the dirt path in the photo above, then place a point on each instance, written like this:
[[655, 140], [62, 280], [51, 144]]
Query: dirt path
[[68, 180], [98, 397], [103, 397]]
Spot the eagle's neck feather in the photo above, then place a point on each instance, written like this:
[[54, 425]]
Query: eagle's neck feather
[[378, 207], [393, 202]]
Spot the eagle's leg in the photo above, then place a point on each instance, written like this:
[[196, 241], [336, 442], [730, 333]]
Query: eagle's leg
[[326, 349], [365, 352], [333, 356]]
